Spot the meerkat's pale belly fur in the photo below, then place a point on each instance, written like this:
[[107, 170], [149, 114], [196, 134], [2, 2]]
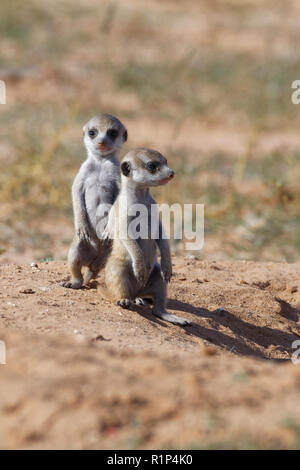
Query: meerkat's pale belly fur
[[120, 268], [98, 190]]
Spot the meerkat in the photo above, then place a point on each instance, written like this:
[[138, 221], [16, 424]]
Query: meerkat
[[97, 183], [132, 272]]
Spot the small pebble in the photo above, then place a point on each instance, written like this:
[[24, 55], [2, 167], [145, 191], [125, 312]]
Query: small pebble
[[27, 291], [101, 338], [208, 350]]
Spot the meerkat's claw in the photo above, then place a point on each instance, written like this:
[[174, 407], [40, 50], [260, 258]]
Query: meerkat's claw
[[71, 285], [84, 236], [173, 318], [144, 302], [124, 303], [166, 276]]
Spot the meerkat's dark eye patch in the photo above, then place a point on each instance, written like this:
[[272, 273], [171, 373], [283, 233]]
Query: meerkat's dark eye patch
[[112, 133], [125, 135], [92, 133], [152, 166], [125, 168]]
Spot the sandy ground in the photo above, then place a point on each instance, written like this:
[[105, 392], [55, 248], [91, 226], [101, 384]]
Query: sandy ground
[[82, 373]]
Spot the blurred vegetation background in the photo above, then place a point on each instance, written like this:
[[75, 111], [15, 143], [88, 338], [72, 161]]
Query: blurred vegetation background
[[208, 83]]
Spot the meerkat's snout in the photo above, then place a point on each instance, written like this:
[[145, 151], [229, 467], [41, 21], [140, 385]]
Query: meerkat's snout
[[172, 174], [169, 177]]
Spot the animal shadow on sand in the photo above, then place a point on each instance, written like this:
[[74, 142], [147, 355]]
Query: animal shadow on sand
[[260, 337]]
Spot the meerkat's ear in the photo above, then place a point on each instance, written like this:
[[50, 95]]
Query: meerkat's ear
[[125, 135], [125, 168]]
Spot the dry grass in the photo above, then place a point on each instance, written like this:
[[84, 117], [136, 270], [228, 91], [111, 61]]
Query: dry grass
[[207, 83]]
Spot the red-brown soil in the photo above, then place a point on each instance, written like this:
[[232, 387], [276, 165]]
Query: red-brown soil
[[82, 373]]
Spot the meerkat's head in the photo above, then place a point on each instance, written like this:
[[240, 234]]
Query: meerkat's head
[[104, 134], [146, 167]]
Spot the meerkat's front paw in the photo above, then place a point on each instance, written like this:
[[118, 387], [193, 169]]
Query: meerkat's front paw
[[124, 303], [83, 235], [72, 284], [166, 271]]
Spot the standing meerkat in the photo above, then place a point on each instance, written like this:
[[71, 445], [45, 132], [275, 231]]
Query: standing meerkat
[[132, 270], [97, 183]]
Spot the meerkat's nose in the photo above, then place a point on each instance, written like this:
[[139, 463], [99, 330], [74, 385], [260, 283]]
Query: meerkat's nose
[[172, 174], [101, 139]]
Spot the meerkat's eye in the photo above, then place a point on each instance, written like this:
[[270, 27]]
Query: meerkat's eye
[[112, 133], [151, 166], [92, 133]]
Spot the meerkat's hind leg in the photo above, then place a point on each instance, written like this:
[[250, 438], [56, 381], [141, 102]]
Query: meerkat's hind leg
[[98, 262], [78, 256], [76, 281], [92, 271], [89, 275], [157, 288], [72, 284], [106, 294]]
